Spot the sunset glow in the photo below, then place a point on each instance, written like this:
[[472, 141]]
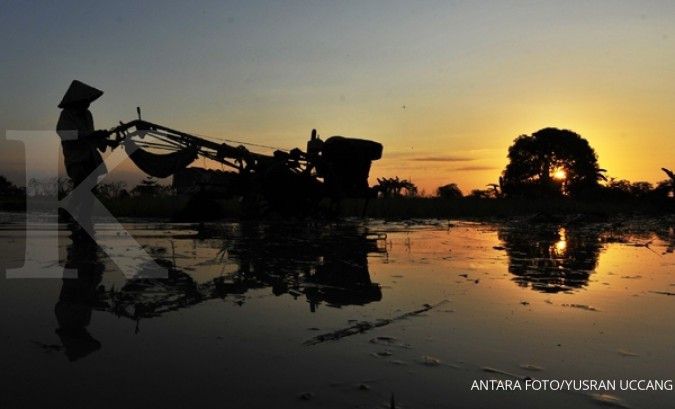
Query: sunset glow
[[330, 204], [559, 174], [444, 87], [559, 248]]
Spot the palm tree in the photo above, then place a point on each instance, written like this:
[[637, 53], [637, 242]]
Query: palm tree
[[393, 187], [671, 175], [497, 188]]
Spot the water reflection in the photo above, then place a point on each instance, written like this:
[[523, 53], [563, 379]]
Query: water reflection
[[666, 232], [327, 264], [78, 297], [550, 258], [321, 264]]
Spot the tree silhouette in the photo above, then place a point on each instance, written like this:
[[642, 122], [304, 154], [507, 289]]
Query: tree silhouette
[[551, 162], [449, 191], [148, 187], [671, 175], [113, 190], [481, 194], [8, 189], [393, 187]]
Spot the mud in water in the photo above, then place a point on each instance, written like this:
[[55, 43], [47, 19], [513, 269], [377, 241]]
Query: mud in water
[[350, 314]]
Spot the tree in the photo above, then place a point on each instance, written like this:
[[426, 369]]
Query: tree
[[449, 191], [551, 162], [671, 175], [641, 189], [147, 187], [8, 189], [393, 187], [111, 190], [481, 194], [664, 189]]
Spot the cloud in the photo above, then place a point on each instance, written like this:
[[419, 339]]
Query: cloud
[[475, 168], [442, 159]]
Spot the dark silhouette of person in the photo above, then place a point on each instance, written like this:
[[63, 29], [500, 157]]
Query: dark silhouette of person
[[80, 141], [78, 297]]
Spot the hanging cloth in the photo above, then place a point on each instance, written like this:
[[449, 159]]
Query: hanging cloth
[[160, 165]]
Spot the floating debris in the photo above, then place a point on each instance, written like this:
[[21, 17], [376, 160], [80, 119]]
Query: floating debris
[[305, 396], [351, 384], [364, 387], [380, 354], [609, 400], [623, 352], [502, 372], [662, 292], [430, 361], [389, 341], [531, 367], [364, 326], [48, 347], [581, 307], [294, 292]]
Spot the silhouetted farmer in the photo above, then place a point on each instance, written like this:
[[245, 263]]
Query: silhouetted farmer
[[80, 141]]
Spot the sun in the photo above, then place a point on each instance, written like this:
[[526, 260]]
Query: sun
[[559, 174]]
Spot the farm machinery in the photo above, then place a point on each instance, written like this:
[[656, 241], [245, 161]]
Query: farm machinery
[[286, 181]]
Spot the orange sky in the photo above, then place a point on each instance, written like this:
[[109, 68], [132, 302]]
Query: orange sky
[[446, 87]]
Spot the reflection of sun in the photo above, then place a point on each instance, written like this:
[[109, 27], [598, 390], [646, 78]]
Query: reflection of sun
[[560, 246], [559, 174]]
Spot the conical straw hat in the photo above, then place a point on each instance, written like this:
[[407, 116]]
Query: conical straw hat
[[80, 92]]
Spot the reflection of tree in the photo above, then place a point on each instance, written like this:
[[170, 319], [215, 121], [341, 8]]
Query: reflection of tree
[[666, 232], [550, 258]]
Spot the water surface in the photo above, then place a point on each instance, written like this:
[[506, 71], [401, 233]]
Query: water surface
[[342, 315]]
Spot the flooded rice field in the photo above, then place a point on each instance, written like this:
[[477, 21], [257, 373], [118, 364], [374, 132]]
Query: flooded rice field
[[349, 315]]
